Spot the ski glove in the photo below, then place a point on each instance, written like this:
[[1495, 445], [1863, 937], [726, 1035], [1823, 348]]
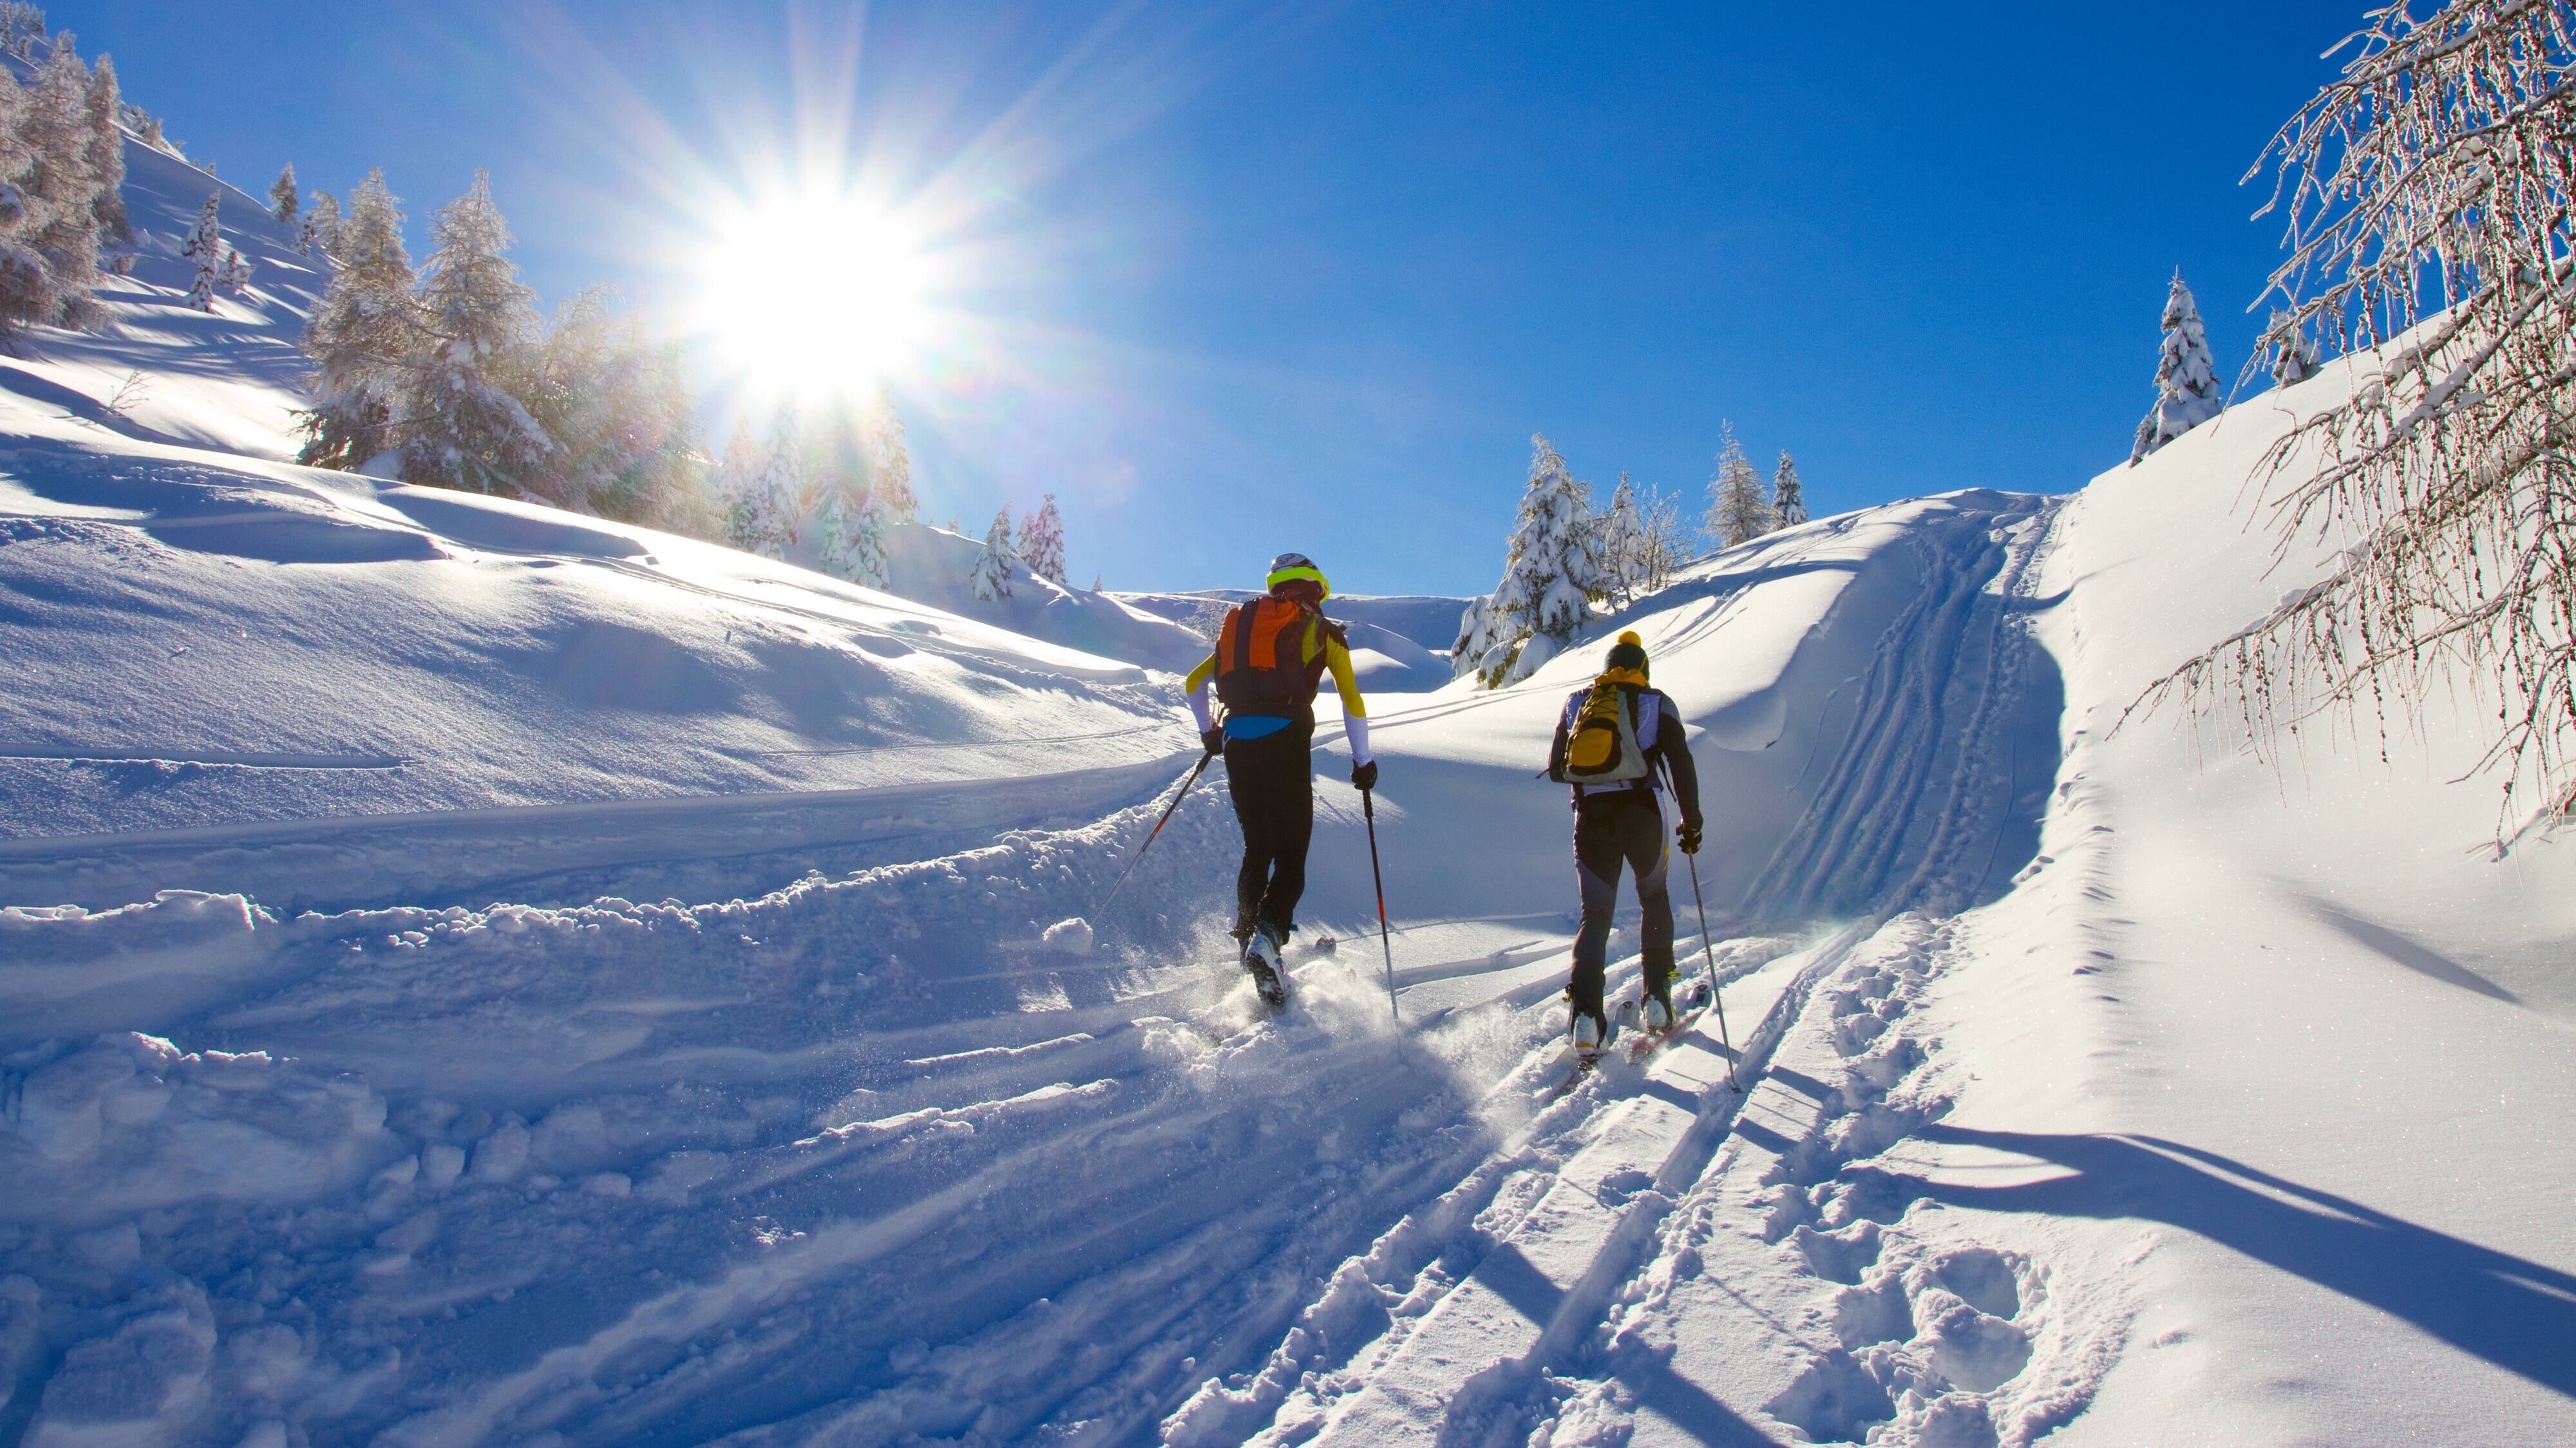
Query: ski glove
[[1364, 776], [1690, 837], [1214, 739]]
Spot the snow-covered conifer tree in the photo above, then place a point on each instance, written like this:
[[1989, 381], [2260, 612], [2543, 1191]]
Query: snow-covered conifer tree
[[772, 496], [322, 225], [1736, 512], [363, 336], [889, 460], [467, 426], [852, 546], [283, 199], [1788, 495], [2294, 352], [206, 244], [992, 572], [621, 415], [1551, 575], [59, 187], [104, 150], [1668, 539], [734, 474], [1480, 645], [236, 270], [2186, 376], [1622, 538], [1042, 542]]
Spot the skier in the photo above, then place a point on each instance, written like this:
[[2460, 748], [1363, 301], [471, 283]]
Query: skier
[[1271, 655], [1613, 734]]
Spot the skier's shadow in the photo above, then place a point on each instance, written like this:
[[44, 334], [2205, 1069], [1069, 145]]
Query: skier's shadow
[[2514, 1313]]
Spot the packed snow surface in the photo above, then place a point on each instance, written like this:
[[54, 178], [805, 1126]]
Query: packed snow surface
[[479, 975]]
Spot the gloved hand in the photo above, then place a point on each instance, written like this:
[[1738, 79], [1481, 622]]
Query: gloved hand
[[1214, 739], [1364, 776], [1690, 837]]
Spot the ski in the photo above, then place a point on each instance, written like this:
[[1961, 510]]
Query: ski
[[1687, 1012]]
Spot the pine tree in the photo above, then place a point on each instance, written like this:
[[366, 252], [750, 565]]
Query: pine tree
[[61, 185], [206, 244], [992, 572], [2294, 352], [1622, 537], [772, 496], [620, 412], [282, 197], [468, 427], [734, 475], [853, 540], [1668, 539], [322, 225], [889, 460], [236, 270], [104, 150], [1736, 512], [26, 290], [1552, 573], [1788, 495], [363, 337], [2186, 376], [1481, 643], [1042, 542]]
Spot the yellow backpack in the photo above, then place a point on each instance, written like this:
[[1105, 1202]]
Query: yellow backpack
[[1603, 748]]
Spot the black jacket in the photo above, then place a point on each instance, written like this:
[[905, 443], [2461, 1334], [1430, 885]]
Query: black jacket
[[1657, 716]]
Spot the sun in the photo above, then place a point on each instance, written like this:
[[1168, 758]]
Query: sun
[[815, 295]]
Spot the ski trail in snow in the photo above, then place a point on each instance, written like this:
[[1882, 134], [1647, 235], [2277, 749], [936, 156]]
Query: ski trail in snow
[[1532, 1270]]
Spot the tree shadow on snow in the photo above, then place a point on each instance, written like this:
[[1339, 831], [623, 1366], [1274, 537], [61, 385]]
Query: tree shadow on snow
[[2514, 1313]]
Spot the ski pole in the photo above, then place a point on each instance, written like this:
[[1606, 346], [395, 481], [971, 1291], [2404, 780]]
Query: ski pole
[[1149, 839], [1368, 811], [1716, 997]]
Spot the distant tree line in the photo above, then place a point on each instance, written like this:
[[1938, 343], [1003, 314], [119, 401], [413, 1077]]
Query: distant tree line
[[823, 487], [1564, 560]]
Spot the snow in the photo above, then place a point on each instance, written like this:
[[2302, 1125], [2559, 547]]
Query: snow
[[473, 974]]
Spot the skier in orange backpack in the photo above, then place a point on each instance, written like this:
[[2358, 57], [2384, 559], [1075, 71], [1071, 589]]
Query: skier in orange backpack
[[1271, 657]]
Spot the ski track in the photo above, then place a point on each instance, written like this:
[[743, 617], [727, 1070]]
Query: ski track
[[891, 1171]]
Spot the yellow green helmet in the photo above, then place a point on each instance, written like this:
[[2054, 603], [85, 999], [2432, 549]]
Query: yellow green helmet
[[1289, 566]]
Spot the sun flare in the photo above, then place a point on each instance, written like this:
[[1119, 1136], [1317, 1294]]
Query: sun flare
[[816, 295]]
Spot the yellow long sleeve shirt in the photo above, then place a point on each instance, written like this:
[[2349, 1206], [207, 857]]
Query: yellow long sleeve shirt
[[1337, 660]]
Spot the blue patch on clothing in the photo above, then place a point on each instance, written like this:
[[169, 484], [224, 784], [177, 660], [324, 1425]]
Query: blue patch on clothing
[[1254, 726]]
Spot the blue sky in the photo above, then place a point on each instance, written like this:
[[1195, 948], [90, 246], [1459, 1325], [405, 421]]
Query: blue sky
[[1230, 280]]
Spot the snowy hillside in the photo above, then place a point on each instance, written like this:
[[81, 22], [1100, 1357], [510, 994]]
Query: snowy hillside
[[2101, 1088]]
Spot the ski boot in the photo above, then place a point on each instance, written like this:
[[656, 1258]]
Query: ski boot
[[1655, 1011], [1262, 961], [1591, 1035]]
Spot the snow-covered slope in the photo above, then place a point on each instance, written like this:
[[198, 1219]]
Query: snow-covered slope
[[2106, 1088], [935, 566]]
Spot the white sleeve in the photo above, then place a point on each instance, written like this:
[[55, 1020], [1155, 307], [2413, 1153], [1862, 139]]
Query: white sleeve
[[1356, 727], [1199, 709]]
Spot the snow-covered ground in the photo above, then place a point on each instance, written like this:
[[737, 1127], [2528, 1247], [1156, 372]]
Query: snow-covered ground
[[480, 975]]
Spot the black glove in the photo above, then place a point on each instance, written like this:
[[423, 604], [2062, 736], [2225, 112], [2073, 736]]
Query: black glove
[[1214, 739], [1364, 776], [1690, 837]]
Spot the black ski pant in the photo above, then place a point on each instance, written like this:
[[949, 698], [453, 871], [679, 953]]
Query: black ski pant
[[1611, 829], [1272, 779]]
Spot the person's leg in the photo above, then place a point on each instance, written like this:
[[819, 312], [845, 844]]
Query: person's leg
[[1289, 783], [1596, 871], [1243, 782], [1643, 841]]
